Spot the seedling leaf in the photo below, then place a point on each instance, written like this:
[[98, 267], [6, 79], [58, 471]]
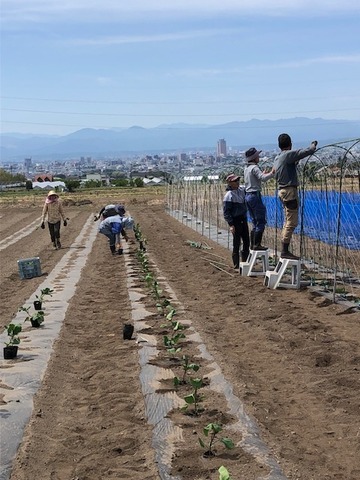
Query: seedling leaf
[[224, 474], [227, 442]]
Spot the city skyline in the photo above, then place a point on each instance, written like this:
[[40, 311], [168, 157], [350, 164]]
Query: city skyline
[[82, 64]]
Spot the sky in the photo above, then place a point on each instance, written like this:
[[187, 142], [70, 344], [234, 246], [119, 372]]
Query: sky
[[73, 64]]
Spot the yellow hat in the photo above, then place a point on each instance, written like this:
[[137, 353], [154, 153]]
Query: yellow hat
[[52, 192]]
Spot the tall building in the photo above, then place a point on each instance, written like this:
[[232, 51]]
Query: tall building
[[221, 148], [27, 164]]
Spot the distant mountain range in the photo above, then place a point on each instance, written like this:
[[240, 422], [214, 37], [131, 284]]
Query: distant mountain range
[[174, 138]]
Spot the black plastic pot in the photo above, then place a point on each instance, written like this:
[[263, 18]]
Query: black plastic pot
[[128, 330], [10, 352], [37, 305], [35, 323]]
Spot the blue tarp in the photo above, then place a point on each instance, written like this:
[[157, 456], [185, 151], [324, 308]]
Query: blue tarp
[[320, 212]]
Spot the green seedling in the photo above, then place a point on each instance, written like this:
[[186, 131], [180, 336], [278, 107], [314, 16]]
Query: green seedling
[[176, 327], [149, 279], [27, 311], [43, 293], [194, 397], [171, 342], [13, 330], [143, 259], [162, 306], [170, 315], [211, 431], [223, 473], [187, 366], [139, 237], [156, 290]]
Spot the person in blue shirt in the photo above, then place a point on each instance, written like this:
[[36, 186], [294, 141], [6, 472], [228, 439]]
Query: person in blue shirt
[[253, 178], [234, 209], [110, 211], [112, 226]]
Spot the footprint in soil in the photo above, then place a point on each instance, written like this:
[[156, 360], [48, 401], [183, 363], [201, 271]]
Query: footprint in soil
[[323, 360]]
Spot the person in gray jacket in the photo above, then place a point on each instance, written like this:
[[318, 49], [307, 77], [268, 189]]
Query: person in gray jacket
[[234, 208], [286, 175], [253, 178]]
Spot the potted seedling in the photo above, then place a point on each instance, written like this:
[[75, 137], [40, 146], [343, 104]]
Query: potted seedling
[[211, 431], [36, 319], [40, 298], [11, 347]]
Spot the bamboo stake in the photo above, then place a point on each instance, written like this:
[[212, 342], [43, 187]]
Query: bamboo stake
[[213, 264]]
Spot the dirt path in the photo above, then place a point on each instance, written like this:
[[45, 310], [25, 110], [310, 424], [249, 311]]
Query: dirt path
[[291, 357]]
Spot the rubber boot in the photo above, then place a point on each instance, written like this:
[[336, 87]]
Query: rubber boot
[[286, 254], [113, 249], [257, 241], [58, 243], [236, 260]]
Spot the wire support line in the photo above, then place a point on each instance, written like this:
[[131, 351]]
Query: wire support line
[[209, 127], [183, 102], [97, 114]]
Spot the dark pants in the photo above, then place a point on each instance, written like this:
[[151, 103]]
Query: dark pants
[[112, 241], [54, 229], [257, 211], [241, 233]]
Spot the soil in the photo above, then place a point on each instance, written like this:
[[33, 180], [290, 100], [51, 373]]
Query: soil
[[292, 358]]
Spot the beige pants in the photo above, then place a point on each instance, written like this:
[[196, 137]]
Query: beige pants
[[290, 199]]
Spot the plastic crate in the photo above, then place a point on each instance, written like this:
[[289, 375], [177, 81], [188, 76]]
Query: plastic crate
[[29, 267]]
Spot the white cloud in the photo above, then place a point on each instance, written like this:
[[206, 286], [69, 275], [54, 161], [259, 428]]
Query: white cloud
[[82, 10], [333, 60], [105, 81], [156, 37]]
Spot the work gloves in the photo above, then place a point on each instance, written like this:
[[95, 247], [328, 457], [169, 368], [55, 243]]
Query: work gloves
[[65, 223], [42, 225]]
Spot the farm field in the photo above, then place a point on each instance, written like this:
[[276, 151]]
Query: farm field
[[291, 357]]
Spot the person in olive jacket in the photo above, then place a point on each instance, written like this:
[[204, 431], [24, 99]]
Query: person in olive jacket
[[53, 211]]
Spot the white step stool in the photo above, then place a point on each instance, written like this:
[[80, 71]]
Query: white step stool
[[247, 268], [273, 278]]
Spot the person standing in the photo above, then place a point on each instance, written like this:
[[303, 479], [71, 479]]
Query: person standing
[[234, 209], [286, 176], [253, 177], [54, 212]]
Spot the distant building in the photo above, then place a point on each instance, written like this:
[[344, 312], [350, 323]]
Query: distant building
[[27, 164], [153, 181], [221, 148], [44, 177], [97, 177], [58, 186]]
